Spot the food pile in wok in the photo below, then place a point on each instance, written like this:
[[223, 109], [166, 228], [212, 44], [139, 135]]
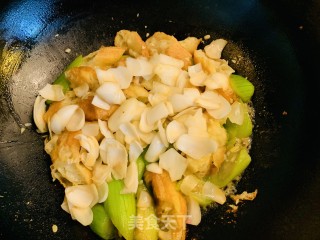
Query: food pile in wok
[[144, 134]]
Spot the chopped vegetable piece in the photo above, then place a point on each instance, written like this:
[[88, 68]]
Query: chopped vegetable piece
[[203, 192], [62, 80], [201, 199], [101, 224], [141, 163], [231, 168], [170, 202], [121, 208], [147, 228], [242, 87], [240, 131]]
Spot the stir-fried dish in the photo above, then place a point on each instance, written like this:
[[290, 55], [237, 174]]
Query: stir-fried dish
[[144, 134]]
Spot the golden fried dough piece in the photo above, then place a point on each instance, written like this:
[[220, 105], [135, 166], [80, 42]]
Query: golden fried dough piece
[[94, 113], [132, 43], [66, 165], [220, 136], [55, 106], [177, 51], [169, 202], [105, 57], [71, 174], [190, 44], [160, 42], [67, 148], [81, 75], [228, 94], [136, 91], [208, 65]]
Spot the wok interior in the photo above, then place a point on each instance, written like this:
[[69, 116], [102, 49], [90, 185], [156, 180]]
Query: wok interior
[[280, 170]]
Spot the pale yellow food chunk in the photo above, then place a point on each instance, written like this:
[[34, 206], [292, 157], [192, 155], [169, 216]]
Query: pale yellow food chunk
[[199, 167], [55, 106], [81, 75], [136, 91], [132, 43], [105, 57], [190, 44], [208, 65], [220, 136], [170, 202], [228, 94], [93, 113], [218, 156], [54, 228], [177, 51], [67, 148], [71, 174], [160, 42], [65, 157], [211, 66]]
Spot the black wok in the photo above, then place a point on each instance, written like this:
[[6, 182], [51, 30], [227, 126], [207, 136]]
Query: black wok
[[279, 45]]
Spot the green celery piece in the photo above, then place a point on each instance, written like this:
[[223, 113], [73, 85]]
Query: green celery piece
[[231, 169], [231, 142], [242, 87], [147, 226], [196, 195], [201, 199], [62, 80], [141, 163], [239, 131], [101, 224], [121, 208]]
